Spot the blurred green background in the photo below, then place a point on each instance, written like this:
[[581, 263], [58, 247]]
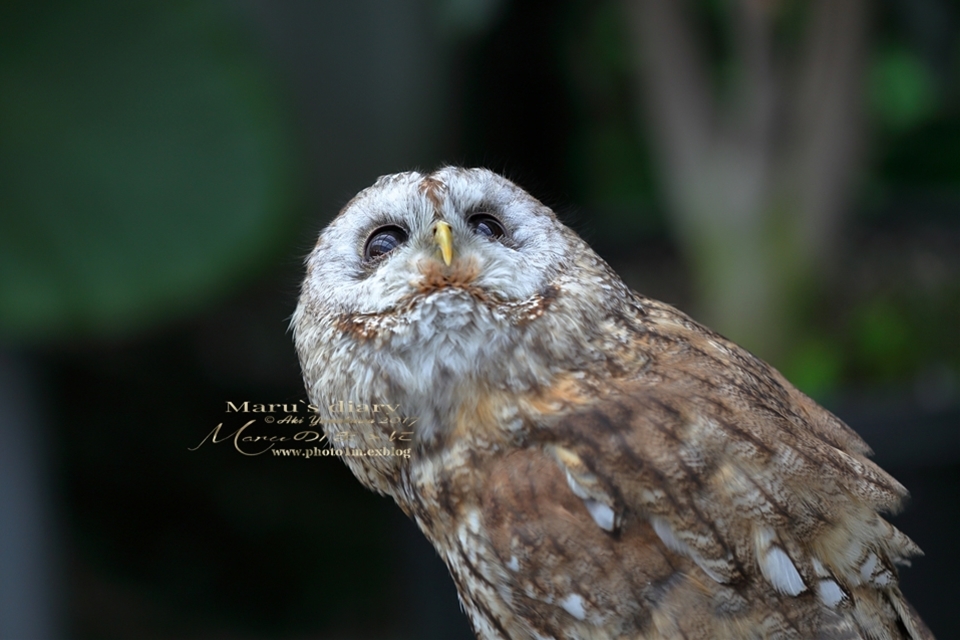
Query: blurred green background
[[788, 172]]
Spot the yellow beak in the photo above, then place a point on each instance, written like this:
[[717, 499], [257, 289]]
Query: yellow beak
[[444, 239]]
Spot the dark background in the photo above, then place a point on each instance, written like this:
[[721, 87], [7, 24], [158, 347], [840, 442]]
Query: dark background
[[164, 170]]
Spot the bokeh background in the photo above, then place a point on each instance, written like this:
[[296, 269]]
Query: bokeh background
[[786, 171]]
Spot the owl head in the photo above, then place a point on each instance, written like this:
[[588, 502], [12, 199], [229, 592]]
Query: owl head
[[411, 235]]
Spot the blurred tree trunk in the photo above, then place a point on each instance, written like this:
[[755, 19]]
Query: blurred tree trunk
[[30, 605], [758, 171]]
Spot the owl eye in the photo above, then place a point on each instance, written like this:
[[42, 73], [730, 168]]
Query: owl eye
[[382, 241], [486, 225]]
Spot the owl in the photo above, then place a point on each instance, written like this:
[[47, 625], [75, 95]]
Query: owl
[[588, 462]]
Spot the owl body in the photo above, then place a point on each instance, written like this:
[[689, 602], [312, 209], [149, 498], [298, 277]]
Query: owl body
[[588, 462]]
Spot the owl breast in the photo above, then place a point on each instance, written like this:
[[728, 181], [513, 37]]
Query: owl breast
[[451, 347]]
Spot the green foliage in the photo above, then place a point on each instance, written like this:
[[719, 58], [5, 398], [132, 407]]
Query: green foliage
[[879, 340], [608, 159], [882, 340], [928, 156], [613, 165], [902, 91], [815, 366], [142, 165]]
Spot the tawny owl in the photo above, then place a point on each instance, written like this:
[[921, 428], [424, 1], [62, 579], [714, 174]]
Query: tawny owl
[[588, 462]]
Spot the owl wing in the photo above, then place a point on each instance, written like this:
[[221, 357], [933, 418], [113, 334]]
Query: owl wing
[[723, 485]]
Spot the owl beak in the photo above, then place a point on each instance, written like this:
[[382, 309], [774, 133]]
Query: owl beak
[[444, 238]]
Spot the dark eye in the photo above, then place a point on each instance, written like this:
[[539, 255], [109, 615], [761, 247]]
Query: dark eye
[[382, 241], [486, 225]]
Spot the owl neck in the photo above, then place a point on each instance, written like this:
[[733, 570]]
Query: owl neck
[[469, 374]]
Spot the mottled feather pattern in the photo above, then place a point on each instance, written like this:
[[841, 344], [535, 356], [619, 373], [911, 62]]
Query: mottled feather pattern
[[588, 462]]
